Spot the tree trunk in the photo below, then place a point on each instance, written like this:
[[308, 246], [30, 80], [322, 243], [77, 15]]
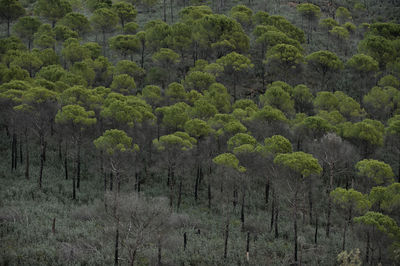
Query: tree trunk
[[27, 155], [267, 187], [42, 154], [344, 235], [248, 246], [209, 194], [111, 181], [116, 247], [21, 156], [66, 160], [78, 161], [367, 248], [242, 209], [316, 230], [226, 237], [172, 10], [171, 188], [276, 217], [159, 251], [184, 241], [8, 27], [328, 222], [295, 224], [310, 201], [272, 211], [165, 10], [179, 195]]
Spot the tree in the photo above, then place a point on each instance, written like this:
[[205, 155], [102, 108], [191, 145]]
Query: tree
[[367, 135], [125, 11], [76, 22], [39, 103], [349, 201], [174, 116], [26, 27], [10, 10], [341, 35], [117, 145], [44, 37], [393, 130], [300, 165], [302, 98], [123, 84], [234, 64], [342, 14], [104, 20], [384, 224], [312, 13], [53, 10], [230, 169], [363, 66], [336, 154], [378, 47], [285, 56], [125, 44], [76, 118], [242, 14], [277, 97], [166, 59], [325, 63], [374, 170], [174, 146], [198, 80]]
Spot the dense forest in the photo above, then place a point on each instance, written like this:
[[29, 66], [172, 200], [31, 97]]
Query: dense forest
[[193, 132]]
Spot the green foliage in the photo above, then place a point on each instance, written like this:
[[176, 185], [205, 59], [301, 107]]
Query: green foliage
[[342, 14], [386, 198], [176, 91], [362, 63], [324, 61], [123, 83], [375, 170], [340, 33], [192, 13], [350, 199], [174, 116], [104, 20], [76, 22], [197, 128], [299, 162], [26, 27], [277, 144], [277, 97], [52, 10], [326, 101], [389, 81], [240, 139], [228, 160], [127, 110], [382, 222], [125, 11], [115, 141], [198, 80], [303, 98], [75, 114], [177, 140], [378, 47], [310, 11], [328, 23], [10, 10], [152, 94], [269, 114]]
